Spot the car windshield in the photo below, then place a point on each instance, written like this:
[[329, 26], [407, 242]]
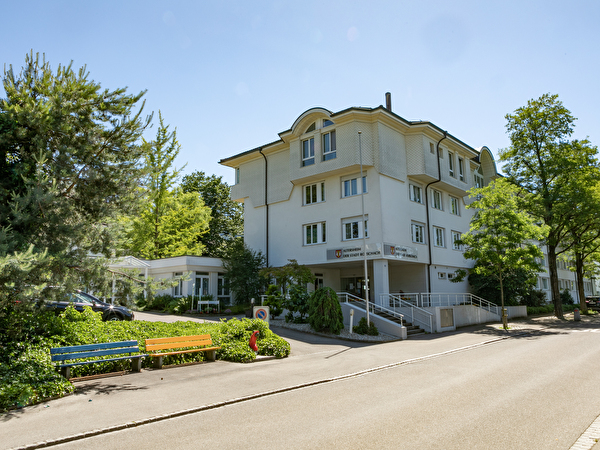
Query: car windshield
[[77, 297]]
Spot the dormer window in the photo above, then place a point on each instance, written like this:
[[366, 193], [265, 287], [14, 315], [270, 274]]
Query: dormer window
[[327, 122], [478, 178], [308, 152], [312, 127], [329, 146]]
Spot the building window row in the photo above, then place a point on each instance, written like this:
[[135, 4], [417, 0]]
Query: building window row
[[328, 144], [352, 228], [351, 186], [415, 195], [439, 236]]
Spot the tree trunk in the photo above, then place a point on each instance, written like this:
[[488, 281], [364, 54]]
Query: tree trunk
[[552, 269], [579, 277], [503, 316]]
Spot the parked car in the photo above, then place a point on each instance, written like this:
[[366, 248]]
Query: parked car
[[79, 299], [592, 302]]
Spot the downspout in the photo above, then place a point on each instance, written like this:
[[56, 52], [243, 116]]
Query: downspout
[[266, 206], [427, 211]]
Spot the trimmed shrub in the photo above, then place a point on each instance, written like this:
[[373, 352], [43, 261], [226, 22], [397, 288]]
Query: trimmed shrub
[[274, 300], [325, 311], [363, 328], [297, 304]]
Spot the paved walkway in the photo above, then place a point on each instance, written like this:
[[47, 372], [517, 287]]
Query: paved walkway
[[110, 403]]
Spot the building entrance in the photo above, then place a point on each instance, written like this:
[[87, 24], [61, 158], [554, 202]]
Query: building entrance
[[354, 286]]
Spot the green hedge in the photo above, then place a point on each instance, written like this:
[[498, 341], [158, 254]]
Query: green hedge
[[27, 375], [548, 309]]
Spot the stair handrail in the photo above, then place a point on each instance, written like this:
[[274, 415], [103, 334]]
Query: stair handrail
[[372, 306], [418, 316]]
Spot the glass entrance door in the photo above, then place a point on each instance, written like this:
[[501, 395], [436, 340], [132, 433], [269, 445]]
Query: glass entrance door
[[354, 286]]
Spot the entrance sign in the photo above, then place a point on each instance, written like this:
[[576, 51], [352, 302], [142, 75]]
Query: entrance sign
[[400, 251], [354, 252]]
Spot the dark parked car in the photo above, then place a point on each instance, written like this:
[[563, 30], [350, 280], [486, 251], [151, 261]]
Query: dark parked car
[[593, 302], [79, 299]]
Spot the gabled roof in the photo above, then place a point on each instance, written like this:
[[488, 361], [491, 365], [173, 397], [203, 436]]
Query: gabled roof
[[303, 121]]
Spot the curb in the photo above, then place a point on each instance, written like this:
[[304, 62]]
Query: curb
[[199, 409]]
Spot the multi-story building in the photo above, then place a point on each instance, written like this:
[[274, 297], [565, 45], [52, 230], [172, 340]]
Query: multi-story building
[[304, 193]]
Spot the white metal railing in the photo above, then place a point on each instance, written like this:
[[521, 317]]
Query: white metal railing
[[345, 297], [407, 303], [438, 299]]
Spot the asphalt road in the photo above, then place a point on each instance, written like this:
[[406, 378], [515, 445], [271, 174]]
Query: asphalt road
[[475, 389]]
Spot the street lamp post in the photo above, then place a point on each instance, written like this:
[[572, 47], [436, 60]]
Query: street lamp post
[[364, 224]]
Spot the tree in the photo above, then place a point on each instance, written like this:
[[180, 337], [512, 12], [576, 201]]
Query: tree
[[171, 222], [517, 284], [242, 266], [583, 236], [290, 274], [325, 311], [175, 232], [69, 162], [549, 169], [226, 219], [501, 235]]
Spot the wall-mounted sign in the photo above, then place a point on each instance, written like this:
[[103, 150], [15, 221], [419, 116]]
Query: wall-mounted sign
[[354, 252], [400, 251]]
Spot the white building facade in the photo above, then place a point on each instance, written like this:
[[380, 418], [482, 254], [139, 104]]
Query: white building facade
[[303, 199]]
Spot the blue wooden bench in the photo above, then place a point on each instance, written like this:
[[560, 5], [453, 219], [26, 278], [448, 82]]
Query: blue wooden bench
[[67, 357]]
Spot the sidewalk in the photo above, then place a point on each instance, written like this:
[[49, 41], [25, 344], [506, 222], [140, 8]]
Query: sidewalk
[[110, 403]]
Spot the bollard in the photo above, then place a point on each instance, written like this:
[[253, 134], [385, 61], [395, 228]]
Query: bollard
[[576, 315]]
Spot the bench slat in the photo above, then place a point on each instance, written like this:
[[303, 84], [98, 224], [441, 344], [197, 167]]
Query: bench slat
[[82, 363], [84, 347], [154, 347], [93, 354], [178, 339], [207, 349]]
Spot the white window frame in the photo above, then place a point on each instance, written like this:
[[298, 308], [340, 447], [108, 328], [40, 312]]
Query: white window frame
[[477, 178], [417, 232], [451, 164], [350, 186], [436, 199], [314, 233], [432, 148], [178, 288], [415, 193], [461, 169], [352, 228], [545, 283], [313, 193], [329, 145], [456, 235], [223, 292], [202, 284], [454, 206], [308, 151], [439, 237]]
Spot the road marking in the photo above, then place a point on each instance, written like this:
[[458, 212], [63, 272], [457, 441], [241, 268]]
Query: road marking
[[198, 409], [589, 438]]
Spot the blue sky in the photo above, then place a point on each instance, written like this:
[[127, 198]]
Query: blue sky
[[231, 75]]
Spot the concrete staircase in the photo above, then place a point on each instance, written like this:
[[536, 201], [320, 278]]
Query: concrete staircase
[[411, 330]]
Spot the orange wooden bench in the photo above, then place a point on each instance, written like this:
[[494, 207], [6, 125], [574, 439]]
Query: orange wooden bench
[[180, 344]]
